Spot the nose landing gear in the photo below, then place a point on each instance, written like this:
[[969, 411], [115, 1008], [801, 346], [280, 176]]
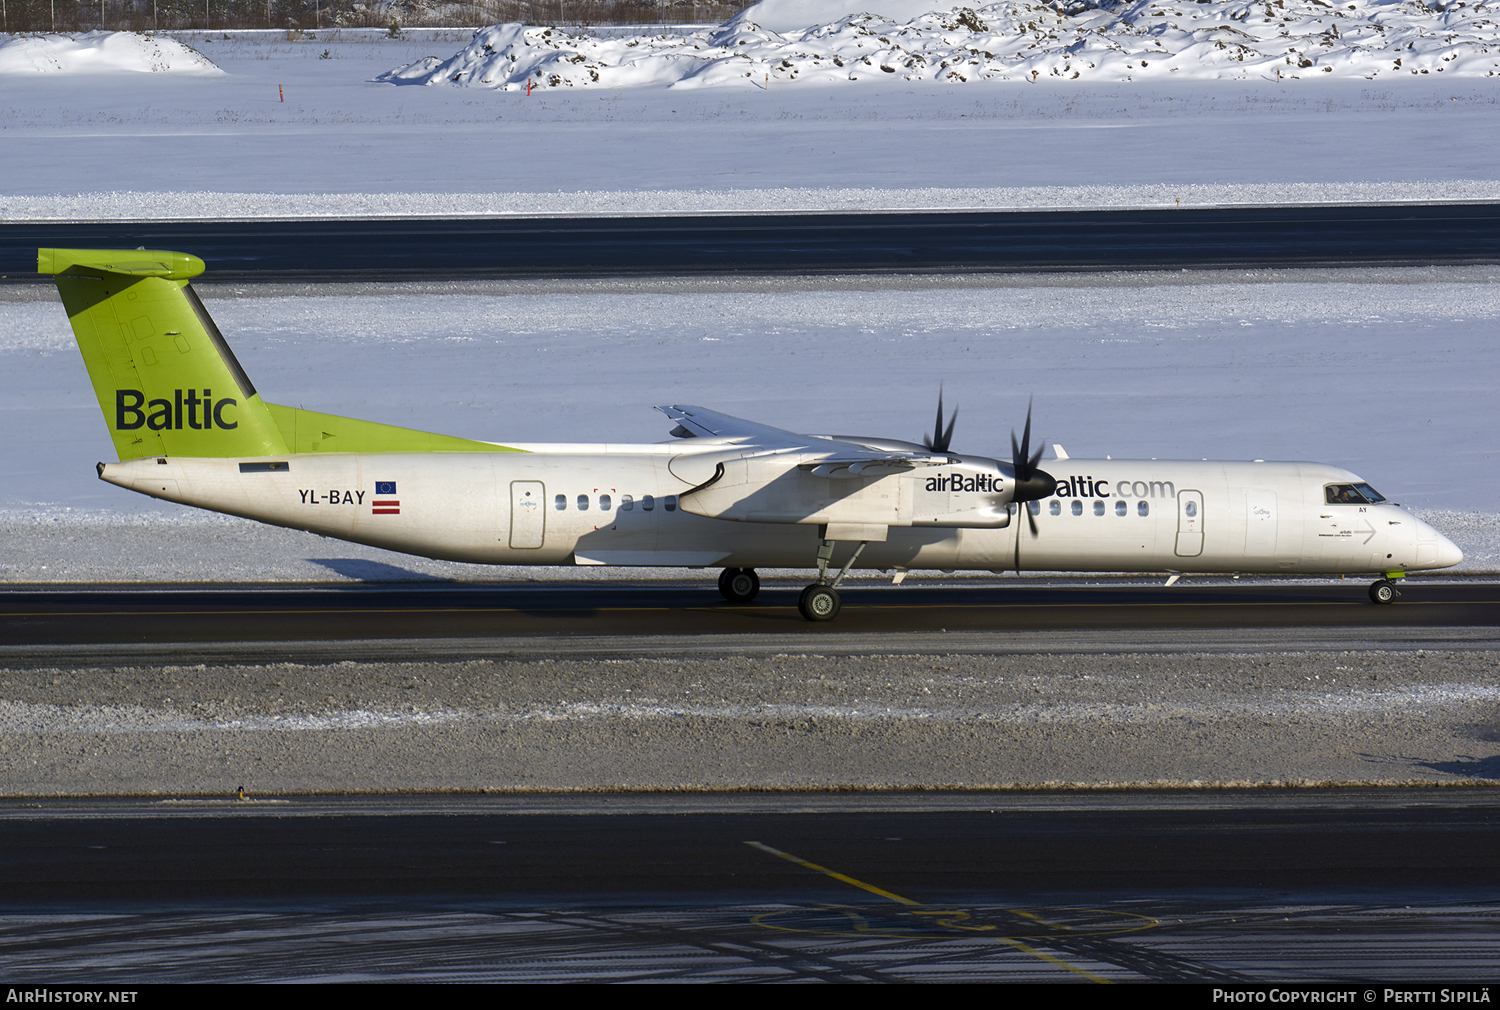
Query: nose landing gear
[[1383, 591], [820, 601]]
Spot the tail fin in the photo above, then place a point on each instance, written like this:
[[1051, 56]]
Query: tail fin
[[166, 380]]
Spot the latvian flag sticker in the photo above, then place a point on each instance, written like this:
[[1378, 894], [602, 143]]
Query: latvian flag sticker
[[385, 503]]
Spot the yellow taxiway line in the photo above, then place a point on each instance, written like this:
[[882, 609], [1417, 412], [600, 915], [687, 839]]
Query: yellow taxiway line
[[890, 896]]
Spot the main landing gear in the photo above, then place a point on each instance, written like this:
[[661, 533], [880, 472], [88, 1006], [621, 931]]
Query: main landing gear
[[1383, 591], [739, 585], [820, 601]]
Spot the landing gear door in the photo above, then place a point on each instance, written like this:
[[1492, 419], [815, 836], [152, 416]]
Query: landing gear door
[[528, 514], [1189, 524]]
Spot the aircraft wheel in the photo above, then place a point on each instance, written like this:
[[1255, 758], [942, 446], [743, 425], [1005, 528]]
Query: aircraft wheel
[[819, 603], [1383, 591], [739, 585]]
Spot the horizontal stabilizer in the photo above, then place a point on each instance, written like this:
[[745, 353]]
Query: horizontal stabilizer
[[172, 266]]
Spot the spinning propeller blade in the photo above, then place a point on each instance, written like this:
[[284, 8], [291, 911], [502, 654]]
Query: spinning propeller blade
[[1032, 483], [941, 437]]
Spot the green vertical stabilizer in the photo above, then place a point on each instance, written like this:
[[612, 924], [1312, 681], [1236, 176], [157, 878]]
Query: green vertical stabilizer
[[166, 380], [169, 384]]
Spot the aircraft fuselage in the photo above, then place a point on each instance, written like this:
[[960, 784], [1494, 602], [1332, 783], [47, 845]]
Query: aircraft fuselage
[[622, 505]]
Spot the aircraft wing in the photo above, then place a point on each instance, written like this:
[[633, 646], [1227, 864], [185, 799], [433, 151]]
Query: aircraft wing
[[749, 472], [704, 423], [825, 457]]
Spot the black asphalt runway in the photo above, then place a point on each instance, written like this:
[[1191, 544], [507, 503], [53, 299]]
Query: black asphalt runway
[[1355, 886], [794, 243], [159, 614], [595, 848]]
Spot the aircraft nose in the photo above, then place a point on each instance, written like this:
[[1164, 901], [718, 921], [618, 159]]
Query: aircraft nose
[[1434, 550], [1448, 553]]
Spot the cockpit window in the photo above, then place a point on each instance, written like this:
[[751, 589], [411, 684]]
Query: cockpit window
[[1353, 494]]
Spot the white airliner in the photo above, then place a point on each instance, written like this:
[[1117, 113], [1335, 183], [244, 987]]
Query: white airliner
[[727, 493]]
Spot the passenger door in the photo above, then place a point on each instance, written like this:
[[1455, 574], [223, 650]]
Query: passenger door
[[528, 513], [1189, 524]]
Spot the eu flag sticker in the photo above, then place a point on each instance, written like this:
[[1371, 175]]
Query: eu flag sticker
[[385, 487]]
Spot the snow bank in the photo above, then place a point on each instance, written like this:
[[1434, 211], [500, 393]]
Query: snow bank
[[213, 205], [101, 52], [786, 16], [1068, 39]]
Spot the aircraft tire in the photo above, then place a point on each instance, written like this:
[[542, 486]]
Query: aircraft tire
[[819, 602], [1383, 591], [739, 585]]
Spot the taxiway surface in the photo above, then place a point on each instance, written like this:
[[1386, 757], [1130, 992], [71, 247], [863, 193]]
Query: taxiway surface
[[1386, 234], [1355, 887], [60, 614], [45, 618]]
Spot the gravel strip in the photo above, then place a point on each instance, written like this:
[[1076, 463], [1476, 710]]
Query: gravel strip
[[763, 722]]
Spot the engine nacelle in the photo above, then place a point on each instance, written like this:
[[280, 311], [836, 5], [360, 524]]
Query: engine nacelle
[[804, 488]]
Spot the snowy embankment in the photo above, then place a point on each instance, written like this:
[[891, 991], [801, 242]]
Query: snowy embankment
[[205, 205], [101, 52], [1131, 41]]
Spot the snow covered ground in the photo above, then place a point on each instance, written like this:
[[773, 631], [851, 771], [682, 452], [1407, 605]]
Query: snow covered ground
[[1015, 40], [1388, 372], [168, 145], [101, 53]]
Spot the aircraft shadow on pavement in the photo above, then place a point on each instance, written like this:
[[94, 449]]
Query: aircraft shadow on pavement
[[1467, 767], [373, 571], [1464, 767]]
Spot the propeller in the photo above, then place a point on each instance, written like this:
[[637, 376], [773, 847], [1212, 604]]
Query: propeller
[[941, 437], [1032, 482]]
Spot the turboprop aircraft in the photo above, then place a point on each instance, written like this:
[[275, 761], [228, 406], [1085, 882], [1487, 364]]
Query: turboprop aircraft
[[188, 426]]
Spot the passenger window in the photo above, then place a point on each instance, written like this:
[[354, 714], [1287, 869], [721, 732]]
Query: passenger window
[[669, 503], [1077, 507], [1190, 509], [560, 502], [583, 503], [604, 503], [1034, 507], [1098, 508], [627, 503], [1121, 508], [1054, 508], [1142, 508], [647, 503]]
